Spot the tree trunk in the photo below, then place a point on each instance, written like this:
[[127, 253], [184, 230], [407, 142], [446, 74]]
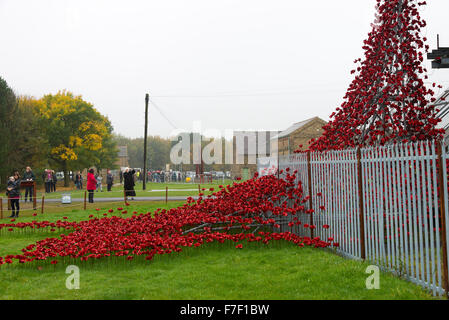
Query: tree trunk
[[66, 175]]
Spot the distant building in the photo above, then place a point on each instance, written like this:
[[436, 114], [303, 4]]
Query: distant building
[[247, 147], [123, 160], [298, 134]]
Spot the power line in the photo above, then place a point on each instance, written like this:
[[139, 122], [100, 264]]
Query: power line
[[243, 93], [163, 114], [231, 95]]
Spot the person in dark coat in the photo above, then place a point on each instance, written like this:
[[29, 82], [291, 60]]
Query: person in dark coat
[[162, 176], [47, 177], [78, 183], [54, 180], [13, 192], [109, 180], [29, 176], [128, 177]]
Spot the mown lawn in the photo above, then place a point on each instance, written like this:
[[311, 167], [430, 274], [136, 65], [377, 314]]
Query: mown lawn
[[152, 190], [75, 211], [258, 271]]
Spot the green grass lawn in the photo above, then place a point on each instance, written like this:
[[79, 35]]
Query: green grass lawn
[[75, 212], [215, 271], [153, 190]]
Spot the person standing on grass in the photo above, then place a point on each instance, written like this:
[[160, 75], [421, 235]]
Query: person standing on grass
[[91, 184], [54, 180], [13, 192], [77, 180], [99, 179], [109, 180], [29, 176], [128, 177], [47, 179]]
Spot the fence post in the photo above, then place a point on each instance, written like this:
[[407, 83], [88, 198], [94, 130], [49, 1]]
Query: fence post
[[361, 213], [442, 185], [34, 196], [309, 181], [85, 204], [1, 208], [166, 195], [42, 204]]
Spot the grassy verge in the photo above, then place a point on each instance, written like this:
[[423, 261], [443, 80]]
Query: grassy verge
[[215, 271], [153, 190], [276, 271], [75, 212]]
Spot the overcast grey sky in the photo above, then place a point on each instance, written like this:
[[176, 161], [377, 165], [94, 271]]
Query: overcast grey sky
[[231, 64]]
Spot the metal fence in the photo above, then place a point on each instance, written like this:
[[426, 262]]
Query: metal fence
[[388, 205]]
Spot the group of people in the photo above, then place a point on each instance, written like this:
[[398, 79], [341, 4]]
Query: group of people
[[13, 190], [78, 180], [165, 176], [156, 176], [50, 180], [94, 182]]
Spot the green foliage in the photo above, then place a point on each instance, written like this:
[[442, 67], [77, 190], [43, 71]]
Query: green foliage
[[61, 131], [78, 135], [33, 145], [8, 114], [21, 143], [158, 153]]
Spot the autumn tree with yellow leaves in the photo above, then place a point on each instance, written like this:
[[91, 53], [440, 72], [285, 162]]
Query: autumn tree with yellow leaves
[[78, 136]]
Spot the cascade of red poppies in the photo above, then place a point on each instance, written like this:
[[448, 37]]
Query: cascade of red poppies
[[387, 101], [251, 211]]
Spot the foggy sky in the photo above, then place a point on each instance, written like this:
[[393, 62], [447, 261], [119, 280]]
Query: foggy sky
[[246, 64]]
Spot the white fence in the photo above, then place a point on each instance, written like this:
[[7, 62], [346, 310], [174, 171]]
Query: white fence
[[388, 205]]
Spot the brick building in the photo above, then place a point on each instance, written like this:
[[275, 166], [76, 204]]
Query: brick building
[[122, 158], [299, 133], [247, 147]]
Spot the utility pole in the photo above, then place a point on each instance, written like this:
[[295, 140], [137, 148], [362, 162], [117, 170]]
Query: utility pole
[[147, 98]]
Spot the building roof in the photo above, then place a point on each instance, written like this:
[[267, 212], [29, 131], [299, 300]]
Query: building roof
[[122, 151], [293, 128]]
